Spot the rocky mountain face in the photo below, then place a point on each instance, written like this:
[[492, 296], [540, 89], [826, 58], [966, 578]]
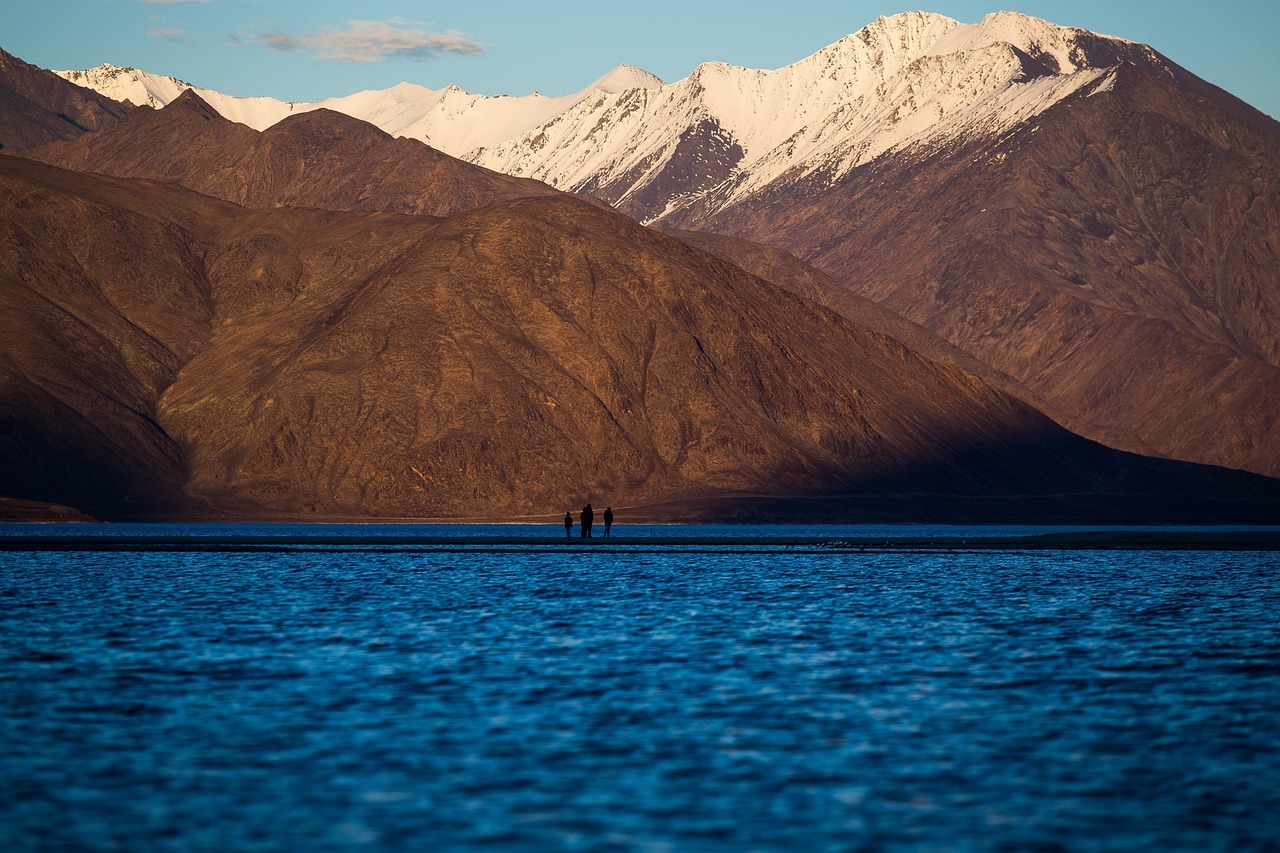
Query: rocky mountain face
[[790, 273], [39, 107], [166, 354], [1119, 257], [319, 159]]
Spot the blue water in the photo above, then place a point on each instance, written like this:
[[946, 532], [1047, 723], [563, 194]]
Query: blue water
[[688, 699]]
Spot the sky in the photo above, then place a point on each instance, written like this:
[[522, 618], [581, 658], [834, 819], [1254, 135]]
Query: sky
[[308, 50]]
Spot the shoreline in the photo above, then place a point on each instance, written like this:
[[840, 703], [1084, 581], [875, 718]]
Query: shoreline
[[1119, 539]]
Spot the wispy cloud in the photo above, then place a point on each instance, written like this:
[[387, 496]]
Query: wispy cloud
[[370, 41], [170, 33]]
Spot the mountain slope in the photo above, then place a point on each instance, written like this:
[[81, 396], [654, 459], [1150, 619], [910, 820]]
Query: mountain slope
[[318, 159], [1118, 257], [172, 354], [785, 270], [38, 107], [102, 305]]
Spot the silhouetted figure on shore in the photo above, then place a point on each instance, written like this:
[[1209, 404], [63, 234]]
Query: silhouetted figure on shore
[[608, 520], [587, 515], [568, 524]]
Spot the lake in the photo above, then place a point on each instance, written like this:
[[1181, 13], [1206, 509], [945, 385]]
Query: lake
[[772, 690]]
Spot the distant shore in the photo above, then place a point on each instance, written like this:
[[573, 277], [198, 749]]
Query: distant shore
[[1262, 539]]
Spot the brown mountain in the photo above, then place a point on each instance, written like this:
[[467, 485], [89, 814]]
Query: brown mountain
[[166, 353], [1119, 256], [38, 106], [319, 159]]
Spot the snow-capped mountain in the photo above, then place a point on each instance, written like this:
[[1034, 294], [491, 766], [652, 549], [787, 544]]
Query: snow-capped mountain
[[144, 89], [725, 132], [1073, 210], [448, 119]]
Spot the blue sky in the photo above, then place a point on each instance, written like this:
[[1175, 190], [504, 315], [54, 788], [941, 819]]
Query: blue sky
[[306, 50]]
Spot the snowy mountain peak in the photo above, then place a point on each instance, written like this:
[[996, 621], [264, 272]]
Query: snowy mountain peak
[[626, 77], [1061, 49], [105, 71], [408, 91], [125, 83], [144, 89], [906, 33], [911, 80]]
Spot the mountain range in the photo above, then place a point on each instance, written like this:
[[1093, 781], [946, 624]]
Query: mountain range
[[448, 119], [316, 159], [725, 132], [174, 355], [1050, 200], [319, 318]]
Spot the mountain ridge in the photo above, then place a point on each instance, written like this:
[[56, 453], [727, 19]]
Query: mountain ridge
[[41, 108], [402, 110], [523, 135], [305, 160]]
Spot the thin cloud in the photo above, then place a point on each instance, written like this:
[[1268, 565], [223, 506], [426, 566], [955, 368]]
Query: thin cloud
[[157, 2], [170, 33], [371, 41]]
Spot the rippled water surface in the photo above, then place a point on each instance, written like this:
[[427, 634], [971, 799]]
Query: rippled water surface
[[653, 699]]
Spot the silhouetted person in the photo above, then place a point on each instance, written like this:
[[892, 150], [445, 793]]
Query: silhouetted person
[[587, 515], [568, 524], [608, 520]]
